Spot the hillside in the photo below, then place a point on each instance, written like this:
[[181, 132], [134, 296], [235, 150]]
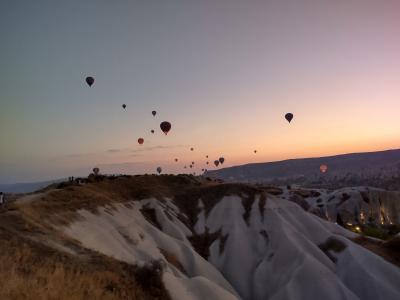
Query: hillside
[[379, 169], [180, 237]]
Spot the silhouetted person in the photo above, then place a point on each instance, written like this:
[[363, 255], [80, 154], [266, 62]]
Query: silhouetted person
[[1, 199]]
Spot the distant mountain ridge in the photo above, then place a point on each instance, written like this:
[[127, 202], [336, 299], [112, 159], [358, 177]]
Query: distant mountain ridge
[[26, 187], [381, 168]]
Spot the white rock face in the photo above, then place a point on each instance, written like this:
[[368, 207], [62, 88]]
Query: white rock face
[[355, 204], [272, 253]]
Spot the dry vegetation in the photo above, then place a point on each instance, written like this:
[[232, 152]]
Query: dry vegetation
[[30, 269], [389, 250], [332, 244]]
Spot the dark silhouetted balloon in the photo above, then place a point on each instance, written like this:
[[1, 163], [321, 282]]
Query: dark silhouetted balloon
[[202, 170], [216, 163], [154, 113], [176, 159], [159, 170], [123, 106], [191, 149], [206, 156], [165, 127], [184, 167], [96, 171], [191, 166], [207, 163], [192, 162], [289, 117], [255, 151], [152, 131], [89, 80], [140, 141], [323, 168], [221, 160]]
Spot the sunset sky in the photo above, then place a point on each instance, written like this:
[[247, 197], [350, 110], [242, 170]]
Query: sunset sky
[[223, 72]]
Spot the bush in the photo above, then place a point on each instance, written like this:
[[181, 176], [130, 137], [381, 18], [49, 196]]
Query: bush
[[375, 232]]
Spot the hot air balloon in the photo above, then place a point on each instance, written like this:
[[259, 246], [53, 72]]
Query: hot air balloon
[[323, 168], [191, 149], [202, 170], [176, 159], [192, 162], [216, 163], [123, 106], [152, 131], [154, 113], [289, 117], [184, 167], [89, 80], [140, 141], [165, 127], [206, 156], [221, 160], [207, 163], [190, 166], [255, 151], [159, 170], [96, 171]]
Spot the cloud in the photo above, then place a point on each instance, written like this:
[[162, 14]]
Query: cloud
[[145, 149], [76, 155], [114, 150]]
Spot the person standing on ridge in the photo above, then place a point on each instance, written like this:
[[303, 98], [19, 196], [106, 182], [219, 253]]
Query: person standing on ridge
[[1, 199]]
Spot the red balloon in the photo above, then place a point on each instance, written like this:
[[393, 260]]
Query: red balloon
[[323, 168], [140, 141]]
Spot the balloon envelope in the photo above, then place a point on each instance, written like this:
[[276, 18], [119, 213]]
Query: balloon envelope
[[176, 159], [165, 127], [96, 171], [221, 160], [140, 141], [159, 170], [123, 106], [216, 163], [255, 151], [89, 80], [154, 113], [152, 131], [191, 149], [323, 168], [289, 117]]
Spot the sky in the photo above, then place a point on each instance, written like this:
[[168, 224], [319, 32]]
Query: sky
[[223, 72]]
